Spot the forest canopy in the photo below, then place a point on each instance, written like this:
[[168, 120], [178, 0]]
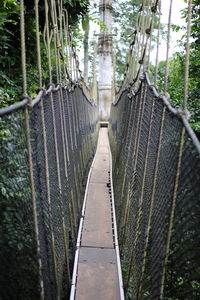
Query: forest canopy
[[124, 17]]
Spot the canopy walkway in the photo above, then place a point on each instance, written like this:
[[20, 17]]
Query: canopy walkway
[[97, 272], [121, 223]]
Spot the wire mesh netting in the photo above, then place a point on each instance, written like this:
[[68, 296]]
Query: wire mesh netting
[[156, 179], [39, 221]]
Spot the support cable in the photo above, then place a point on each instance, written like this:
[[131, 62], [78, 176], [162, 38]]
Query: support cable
[[172, 212], [55, 40], [168, 48], [61, 17], [66, 33], [152, 200], [146, 34], [187, 56], [29, 148], [151, 29], [23, 48], [138, 37], [54, 258], [158, 45], [180, 158], [38, 43], [48, 43]]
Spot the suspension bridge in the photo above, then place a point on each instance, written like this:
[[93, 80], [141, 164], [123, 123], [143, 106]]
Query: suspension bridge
[[90, 209]]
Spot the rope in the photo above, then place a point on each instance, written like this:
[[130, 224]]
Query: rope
[[148, 30], [168, 48], [33, 196], [38, 43], [142, 32], [48, 40], [155, 176], [143, 182], [173, 205], [55, 39], [135, 155], [65, 21], [138, 38], [61, 17], [187, 56], [47, 176], [23, 48], [158, 45], [154, 11]]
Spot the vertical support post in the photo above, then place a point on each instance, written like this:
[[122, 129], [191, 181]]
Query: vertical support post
[[105, 60]]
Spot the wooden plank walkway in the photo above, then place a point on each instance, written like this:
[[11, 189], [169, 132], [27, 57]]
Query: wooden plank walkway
[[97, 270]]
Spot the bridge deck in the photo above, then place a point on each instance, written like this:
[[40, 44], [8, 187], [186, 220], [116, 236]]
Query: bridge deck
[[97, 273]]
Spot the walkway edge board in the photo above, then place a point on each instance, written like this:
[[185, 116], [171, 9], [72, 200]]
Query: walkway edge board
[[75, 268]]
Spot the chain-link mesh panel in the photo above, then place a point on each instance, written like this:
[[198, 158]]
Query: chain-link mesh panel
[[156, 186], [40, 168], [18, 248], [183, 268], [62, 129]]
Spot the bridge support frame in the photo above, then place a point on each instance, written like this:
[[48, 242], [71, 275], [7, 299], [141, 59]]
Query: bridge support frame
[[105, 60]]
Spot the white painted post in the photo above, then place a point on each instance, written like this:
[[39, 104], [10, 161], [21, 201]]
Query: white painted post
[[105, 60]]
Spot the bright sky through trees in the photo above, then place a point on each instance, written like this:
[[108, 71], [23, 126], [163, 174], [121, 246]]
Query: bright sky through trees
[[177, 6]]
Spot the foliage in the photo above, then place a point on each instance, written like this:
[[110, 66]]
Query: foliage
[[18, 249], [10, 49], [18, 255], [177, 69], [125, 15], [176, 84], [125, 18]]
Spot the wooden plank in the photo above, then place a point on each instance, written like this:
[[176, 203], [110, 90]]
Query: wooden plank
[[103, 138], [97, 275], [100, 172], [102, 149], [97, 270], [97, 230]]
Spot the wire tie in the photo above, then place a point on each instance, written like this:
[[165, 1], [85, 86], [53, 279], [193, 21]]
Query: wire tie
[[29, 100], [154, 9], [43, 90], [184, 112], [148, 31]]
